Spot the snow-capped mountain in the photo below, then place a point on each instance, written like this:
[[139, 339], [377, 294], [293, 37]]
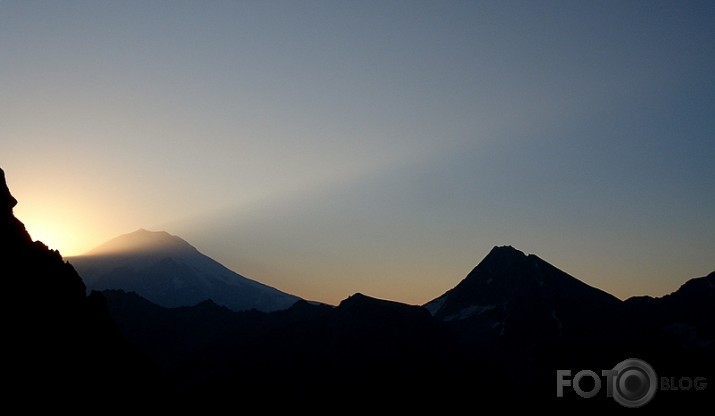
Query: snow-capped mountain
[[168, 271]]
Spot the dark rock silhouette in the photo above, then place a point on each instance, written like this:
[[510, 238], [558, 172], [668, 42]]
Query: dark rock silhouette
[[360, 350], [524, 298], [524, 311], [496, 338], [676, 332], [59, 343], [532, 318]]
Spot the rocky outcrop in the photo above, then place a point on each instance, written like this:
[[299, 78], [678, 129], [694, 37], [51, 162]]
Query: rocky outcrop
[[59, 342]]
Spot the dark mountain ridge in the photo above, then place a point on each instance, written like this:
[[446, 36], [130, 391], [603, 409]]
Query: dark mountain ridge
[[497, 337], [57, 341], [365, 346]]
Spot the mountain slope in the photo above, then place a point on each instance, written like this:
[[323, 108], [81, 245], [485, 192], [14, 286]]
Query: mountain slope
[[530, 318], [692, 304], [679, 326], [58, 343], [170, 272], [360, 350], [508, 287]]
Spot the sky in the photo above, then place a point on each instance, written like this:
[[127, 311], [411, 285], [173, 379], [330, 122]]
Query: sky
[[333, 147]]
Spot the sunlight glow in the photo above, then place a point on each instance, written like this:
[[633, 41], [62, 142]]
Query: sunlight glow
[[57, 228], [54, 235]]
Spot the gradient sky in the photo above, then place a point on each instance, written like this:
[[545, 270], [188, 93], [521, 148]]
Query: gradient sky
[[330, 147]]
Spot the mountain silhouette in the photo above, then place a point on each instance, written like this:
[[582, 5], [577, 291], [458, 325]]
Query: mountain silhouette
[[532, 318], [361, 349], [523, 300], [506, 278], [498, 335], [168, 271], [497, 338], [676, 331], [58, 343]]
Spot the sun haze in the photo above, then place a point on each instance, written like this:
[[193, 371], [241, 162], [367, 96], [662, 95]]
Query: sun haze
[[326, 148]]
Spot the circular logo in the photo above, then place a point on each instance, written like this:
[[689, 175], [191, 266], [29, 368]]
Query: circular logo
[[635, 383]]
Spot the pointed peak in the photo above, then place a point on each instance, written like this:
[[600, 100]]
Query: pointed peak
[[509, 262], [506, 251], [509, 255], [504, 256], [361, 299], [506, 248], [356, 298]]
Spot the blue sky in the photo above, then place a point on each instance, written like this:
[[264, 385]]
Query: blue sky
[[327, 148]]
